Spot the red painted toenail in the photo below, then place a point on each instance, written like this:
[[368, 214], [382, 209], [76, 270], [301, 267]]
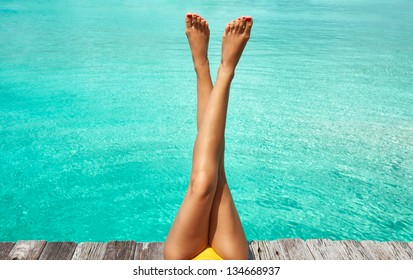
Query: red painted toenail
[[243, 17], [189, 15], [248, 19]]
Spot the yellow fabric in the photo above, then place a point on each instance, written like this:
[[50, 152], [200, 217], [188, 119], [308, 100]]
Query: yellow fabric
[[208, 254]]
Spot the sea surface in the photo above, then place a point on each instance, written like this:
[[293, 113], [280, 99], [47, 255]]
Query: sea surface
[[98, 105]]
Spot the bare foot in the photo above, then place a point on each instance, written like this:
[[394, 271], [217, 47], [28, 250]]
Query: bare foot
[[234, 40], [197, 31]]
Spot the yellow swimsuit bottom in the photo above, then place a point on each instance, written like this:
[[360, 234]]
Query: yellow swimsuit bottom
[[208, 254]]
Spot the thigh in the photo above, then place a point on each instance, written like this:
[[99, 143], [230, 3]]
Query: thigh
[[226, 234], [189, 232]]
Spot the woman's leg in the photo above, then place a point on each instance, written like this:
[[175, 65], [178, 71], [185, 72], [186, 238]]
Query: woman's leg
[[226, 235], [189, 233]]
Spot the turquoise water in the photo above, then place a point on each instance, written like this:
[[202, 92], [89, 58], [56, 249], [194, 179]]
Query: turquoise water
[[97, 118]]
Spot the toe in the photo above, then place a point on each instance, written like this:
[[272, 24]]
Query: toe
[[243, 24], [195, 21], [227, 29], [238, 25], [198, 20], [248, 25], [188, 20], [232, 26], [203, 22]]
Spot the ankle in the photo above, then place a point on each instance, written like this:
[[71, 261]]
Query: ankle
[[226, 71], [201, 65]]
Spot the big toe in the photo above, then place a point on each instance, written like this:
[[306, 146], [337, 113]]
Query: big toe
[[188, 20], [248, 24]]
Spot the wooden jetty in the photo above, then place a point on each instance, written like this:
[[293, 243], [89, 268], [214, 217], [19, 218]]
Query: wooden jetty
[[284, 249]]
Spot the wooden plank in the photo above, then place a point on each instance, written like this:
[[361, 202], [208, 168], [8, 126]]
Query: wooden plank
[[90, 251], [324, 249], [353, 250], [149, 251], [388, 250], [377, 251], [58, 251], [285, 249], [120, 250], [401, 250], [279, 248], [264, 250], [254, 250], [250, 253], [295, 249], [271, 250], [27, 250], [410, 245], [5, 248]]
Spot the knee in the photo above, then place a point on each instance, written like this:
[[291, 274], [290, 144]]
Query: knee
[[203, 184]]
